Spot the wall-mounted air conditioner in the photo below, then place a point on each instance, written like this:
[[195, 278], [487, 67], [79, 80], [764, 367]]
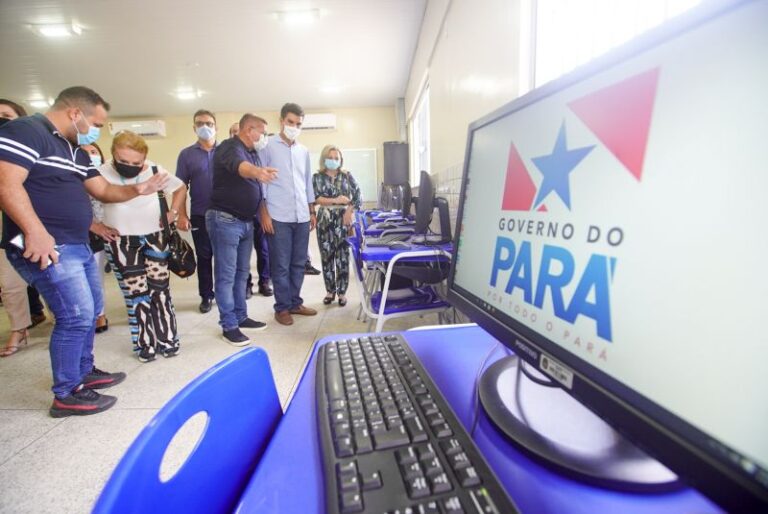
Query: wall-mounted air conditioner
[[141, 127], [319, 121]]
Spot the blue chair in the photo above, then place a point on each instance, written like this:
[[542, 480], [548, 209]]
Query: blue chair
[[240, 398]]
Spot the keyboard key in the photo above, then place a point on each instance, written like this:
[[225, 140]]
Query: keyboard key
[[452, 506], [459, 461], [468, 477], [433, 467], [350, 484], [415, 429], [363, 441], [390, 438], [417, 487], [334, 387], [406, 456], [372, 481], [429, 508], [344, 447], [435, 419], [426, 452], [346, 468], [451, 447], [440, 483], [411, 471], [442, 430], [351, 502]]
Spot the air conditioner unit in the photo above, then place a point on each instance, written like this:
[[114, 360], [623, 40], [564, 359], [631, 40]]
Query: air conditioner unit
[[141, 127], [319, 121]]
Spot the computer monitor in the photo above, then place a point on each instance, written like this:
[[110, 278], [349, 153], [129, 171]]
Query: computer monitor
[[425, 204], [611, 232], [407, 200]]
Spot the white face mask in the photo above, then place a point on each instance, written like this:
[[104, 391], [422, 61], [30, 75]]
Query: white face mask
[[261, 144], [291, 132], [206, 133]]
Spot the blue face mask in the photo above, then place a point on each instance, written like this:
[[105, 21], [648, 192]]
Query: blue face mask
[[332, 164], [90, 137], [96, 160]]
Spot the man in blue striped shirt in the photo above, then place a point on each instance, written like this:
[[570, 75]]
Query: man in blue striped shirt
[[288, 214], [45, 180]]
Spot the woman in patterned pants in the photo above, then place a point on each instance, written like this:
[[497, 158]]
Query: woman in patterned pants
[[139, 256], [337, 196]]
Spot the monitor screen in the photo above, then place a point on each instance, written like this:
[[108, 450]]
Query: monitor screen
[[612, 226]]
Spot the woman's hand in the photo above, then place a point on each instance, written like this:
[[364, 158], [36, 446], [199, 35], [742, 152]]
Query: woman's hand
[[348, 218], [105, 232], [182, 223], [342, 200]]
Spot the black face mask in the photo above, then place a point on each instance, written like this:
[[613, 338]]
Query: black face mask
[[3, 121], [126, 170]]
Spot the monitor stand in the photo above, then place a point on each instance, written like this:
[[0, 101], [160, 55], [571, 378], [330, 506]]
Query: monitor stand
[[555, 427]]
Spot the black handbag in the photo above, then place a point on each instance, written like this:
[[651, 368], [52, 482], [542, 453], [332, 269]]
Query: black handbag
[[181, 258]]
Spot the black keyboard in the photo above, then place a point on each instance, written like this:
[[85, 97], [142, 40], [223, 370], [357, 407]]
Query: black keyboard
[[390, 442], [388, 239]]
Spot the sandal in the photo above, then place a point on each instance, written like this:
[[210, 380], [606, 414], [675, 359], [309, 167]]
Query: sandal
[[10, 349], [329, 298], [342, 300]]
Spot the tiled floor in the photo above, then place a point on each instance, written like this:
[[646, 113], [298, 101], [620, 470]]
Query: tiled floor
[[60, 465]]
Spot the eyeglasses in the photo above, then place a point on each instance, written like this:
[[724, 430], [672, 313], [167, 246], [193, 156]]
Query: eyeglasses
[[209, 124]]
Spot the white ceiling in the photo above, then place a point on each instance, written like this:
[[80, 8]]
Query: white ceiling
[[136, 53]]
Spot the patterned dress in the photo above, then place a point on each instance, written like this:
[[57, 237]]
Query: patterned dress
[[331, 233]]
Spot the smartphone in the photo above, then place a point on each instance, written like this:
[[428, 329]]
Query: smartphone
[[18, 242]]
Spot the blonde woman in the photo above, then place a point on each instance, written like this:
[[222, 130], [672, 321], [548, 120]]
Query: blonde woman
[[337, 196], [139, 255]]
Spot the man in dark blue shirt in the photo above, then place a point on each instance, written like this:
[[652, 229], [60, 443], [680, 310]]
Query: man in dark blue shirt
[[235, 200], [195, 168], [45, 180]]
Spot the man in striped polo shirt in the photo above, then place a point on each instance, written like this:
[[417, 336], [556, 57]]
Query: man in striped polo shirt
[[45, 180]]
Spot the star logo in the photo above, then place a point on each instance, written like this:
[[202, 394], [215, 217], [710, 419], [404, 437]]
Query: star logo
[[556, 168]]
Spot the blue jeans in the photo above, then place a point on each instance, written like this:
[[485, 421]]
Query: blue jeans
[[72, 290], [232, 243], [287, 256]]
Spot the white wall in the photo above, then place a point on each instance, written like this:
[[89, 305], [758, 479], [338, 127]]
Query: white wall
[[470, 52]]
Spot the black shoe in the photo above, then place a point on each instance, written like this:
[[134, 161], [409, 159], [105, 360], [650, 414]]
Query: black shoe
[[206, 304], [265, 290], [81, 402], [251, 324], [311, 270], [146, 355], [248, 292], [173, 352], [329, 298], [107, 268], [98, 379], [235, 337]]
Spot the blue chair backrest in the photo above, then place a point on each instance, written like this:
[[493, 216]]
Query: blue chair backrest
[[354, 244], [243, 410]]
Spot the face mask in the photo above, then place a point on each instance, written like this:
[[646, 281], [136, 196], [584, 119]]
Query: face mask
[[90, 137], [332, 164], [3, 121], [127, 170], [206, 133], [96, 160], [291, 132], [261, 144]]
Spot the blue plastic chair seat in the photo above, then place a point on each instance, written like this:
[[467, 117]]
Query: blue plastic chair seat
[[243, 408], [422, 298]]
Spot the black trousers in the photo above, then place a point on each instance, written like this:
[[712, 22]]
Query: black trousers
[[204, 256]]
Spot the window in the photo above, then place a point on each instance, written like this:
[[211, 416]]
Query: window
[[419, 138], [571, 32]]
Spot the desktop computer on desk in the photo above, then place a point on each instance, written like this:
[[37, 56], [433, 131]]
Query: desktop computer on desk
[[610, 234], [418, 232]]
